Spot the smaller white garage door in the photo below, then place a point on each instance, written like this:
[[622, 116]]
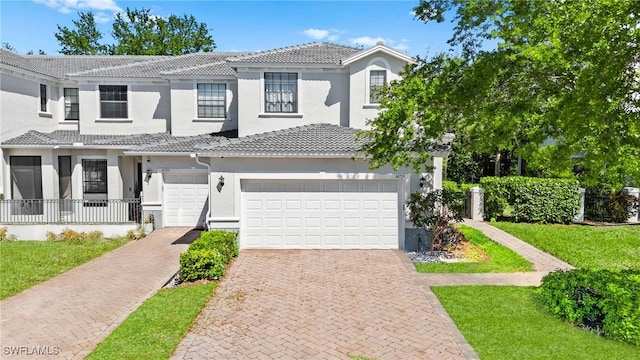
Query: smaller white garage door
[[185, 199], [319, 214]]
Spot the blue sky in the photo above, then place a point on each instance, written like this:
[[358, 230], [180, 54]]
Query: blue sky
[[239, 25]]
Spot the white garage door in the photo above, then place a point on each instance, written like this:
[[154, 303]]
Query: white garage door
[[319, 214], [185, 199]]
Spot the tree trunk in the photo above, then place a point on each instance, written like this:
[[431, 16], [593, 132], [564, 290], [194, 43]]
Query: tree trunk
[[496, 169]]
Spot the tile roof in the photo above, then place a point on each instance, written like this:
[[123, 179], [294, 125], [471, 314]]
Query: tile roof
[[309, 140], [185, 144], [20, 61], [71, 137], [61, 65], [313, 53], [155, 67], [159, 142], [147, 66]]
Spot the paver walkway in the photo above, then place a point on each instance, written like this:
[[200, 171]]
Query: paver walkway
[[321, 304], [543, 263], [67, 316]]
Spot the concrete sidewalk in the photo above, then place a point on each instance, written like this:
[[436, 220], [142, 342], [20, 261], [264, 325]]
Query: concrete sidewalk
[[67, 316]]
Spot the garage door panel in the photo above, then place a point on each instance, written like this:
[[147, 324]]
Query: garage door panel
[[185, 199], [325, 215]]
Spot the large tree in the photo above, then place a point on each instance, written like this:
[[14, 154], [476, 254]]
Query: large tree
[[137, 32], [567, 71], [84, 39]]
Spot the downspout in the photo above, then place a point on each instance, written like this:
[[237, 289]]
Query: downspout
[[195, 157]]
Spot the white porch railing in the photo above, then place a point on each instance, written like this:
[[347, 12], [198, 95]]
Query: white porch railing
[[70, 211]]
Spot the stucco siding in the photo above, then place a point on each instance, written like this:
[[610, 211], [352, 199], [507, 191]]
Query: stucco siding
[[20, 107], [149, 111], [323, 97], [360, 110], [225, 201], [184, 109]]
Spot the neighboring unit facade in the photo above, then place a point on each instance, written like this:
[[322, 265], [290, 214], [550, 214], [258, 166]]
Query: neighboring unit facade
[[263, 143]]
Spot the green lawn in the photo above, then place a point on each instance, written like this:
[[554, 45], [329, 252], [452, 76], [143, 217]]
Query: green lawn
[[155, 329], [589, 247], [502, 259], [505, 322], [24, 264]]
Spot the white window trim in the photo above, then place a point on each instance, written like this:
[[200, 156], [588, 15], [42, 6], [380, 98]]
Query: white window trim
[[367, 82], [227, 100], [128, 119], [47, 94], [263, 112], [77, 173], [63, 112]]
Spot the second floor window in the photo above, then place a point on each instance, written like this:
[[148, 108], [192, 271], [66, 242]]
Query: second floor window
[[43, 97], [281, 92], [212, 101], [71, 104], [377, 80], [113, 102]]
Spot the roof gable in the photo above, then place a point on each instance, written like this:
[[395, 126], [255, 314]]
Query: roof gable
[[379, 48]]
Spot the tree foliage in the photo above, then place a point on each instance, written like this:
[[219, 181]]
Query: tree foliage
[[567, 71], [84, 39], [137, 32]]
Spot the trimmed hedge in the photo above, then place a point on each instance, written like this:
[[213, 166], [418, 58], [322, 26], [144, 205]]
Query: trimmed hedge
[[526, 199], [225, 241], [208, 256], [600, 300]]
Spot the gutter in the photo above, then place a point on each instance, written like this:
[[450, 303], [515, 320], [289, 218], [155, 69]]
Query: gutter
[[199, 162]]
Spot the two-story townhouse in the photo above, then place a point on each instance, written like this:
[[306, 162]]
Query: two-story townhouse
[[262, 142]]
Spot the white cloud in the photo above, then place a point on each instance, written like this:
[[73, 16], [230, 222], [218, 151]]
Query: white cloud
[[102, 17], [368, 41], [322, 34], [317, 34], [67, 6]]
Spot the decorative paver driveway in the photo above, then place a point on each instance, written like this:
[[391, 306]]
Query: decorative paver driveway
[[67, 316], [320, 304]]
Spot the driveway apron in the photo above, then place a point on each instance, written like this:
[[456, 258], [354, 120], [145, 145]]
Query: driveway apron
[[320, 304], [67, 316]]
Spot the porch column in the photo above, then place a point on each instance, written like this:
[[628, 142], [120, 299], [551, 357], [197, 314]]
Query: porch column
[[477, 203], [437, 173], [114, 178]]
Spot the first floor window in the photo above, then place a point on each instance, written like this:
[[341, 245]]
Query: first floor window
[[43, 97], [71, 104], [26, 185], [113, 102], [212, 101], [281, 92], [94, 179], [377, 80]]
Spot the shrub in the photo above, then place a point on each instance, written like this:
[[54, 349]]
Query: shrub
[[435, 212], [196, 264], [3, 233], [224, 241], [531, 199], [136, 234], [208, 255], [601, 300], [74, 236]]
